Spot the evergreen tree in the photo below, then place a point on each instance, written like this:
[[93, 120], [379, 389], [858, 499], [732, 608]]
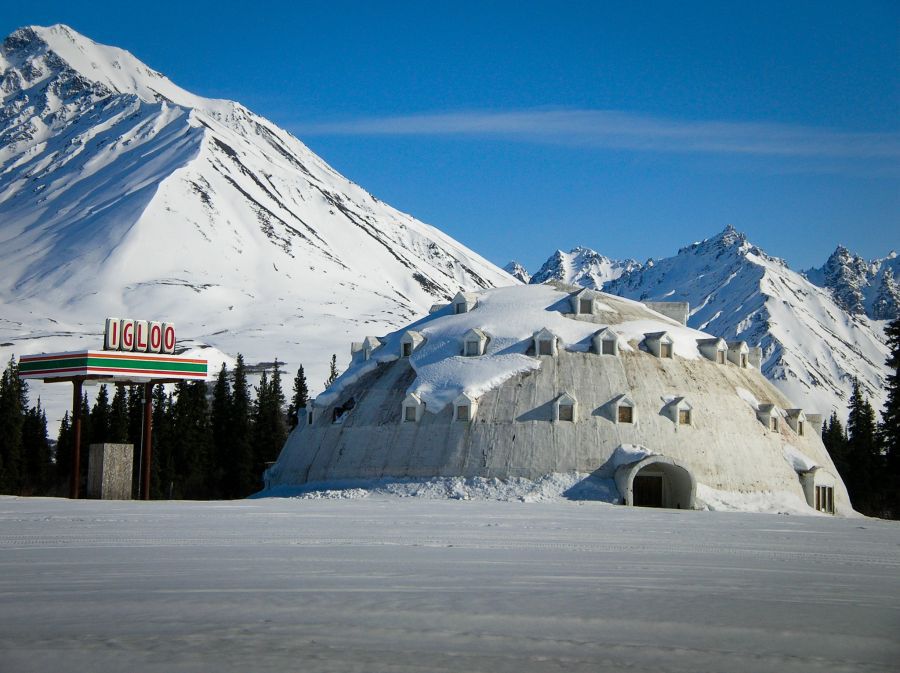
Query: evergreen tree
[[63, 456], [835, 440], [189, 441], [239, 478], [863, 455], [160, 454], [889, 431], [36, 450], [13, 403], [100, 418], [118, 417], [300, 398], [269, 429], [332, 371], [220, 421]]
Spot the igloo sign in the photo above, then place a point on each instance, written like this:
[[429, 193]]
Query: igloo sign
[[143, 336]]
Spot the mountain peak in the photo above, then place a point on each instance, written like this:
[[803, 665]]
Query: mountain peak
[[517, 271], [33, 55]]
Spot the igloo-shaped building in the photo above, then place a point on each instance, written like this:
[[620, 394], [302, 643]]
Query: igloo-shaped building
[[609, 388]]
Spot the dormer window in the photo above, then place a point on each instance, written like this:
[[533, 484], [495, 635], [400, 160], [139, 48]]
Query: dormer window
[[680, 411], [714, 349], [413, 407], [605, 342], [797, 420], [584, 302], [739, 353], [625, 414], [545, 343], [800, 428], [773, 424], [474, 343], [409, 342], [464, 408], [769, 415], [565, 408], [464, 302], [660, 344]]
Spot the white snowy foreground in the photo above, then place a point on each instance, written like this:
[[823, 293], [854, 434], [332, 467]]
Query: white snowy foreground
[[409, 584]]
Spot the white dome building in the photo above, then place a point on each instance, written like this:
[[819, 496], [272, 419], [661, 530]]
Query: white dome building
[[527, 381]]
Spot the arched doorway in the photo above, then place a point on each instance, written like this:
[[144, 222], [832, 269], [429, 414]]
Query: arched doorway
[[656, 481]]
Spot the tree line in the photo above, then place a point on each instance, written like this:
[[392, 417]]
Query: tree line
[[210, 441]]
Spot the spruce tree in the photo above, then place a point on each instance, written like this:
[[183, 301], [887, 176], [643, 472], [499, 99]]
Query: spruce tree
[[63, 456], [332, 371], [240, 480], [220, 422], [863, 454], [118, 417], [36, 451], [100, 418], [835, 440], [13, 403], [269, 429], [190, 438], [889, 430], [300, 398]]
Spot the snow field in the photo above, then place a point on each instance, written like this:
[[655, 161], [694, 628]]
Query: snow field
[[400, 584]]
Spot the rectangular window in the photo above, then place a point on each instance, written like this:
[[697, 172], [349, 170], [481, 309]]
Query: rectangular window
[[462, 413], [720, 357], [309, 418], [626, 414], [585, 306], [774, 424], [665, 350], [684, 416], [545, 347], [743, 361], [800, 428], [460, 308], [608, 347], [825, 499], [566, 412], [409, 414], [472, 348], [407, 350]]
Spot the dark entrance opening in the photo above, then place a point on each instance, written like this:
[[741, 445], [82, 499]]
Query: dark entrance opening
[[647, 491]]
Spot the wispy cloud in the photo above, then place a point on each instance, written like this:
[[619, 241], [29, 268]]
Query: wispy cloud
[[613, 129]]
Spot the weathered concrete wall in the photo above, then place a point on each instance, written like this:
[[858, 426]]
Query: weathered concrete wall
[[513, 432], [109, 471]]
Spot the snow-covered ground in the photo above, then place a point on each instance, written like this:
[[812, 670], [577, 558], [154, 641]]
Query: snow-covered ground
[[412, 584]]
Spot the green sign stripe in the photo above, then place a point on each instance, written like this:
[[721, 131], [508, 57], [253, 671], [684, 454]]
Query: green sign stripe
[[53, 364], [115, 363], [153, 365]]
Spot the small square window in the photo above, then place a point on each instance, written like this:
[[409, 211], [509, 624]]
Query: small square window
[[665, 350], [585, 306], [608, 347], [566, 412], [545, 347], [626, 414], [684, 416], [472, 348], [462, 413], [409, 414], [460, 308]]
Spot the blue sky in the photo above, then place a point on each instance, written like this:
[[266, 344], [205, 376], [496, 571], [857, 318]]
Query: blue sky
[[632, 128]]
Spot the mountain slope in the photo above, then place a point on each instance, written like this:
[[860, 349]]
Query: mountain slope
[[812, 348], [123, 194], [861, 287]]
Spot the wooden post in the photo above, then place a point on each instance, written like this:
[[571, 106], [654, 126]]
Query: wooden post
[[148, 441], [75, 478]]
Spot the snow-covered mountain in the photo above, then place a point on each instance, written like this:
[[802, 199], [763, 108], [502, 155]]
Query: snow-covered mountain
[[861, 287], [122, 194], [582, 266], [517, 271], [812, 347]]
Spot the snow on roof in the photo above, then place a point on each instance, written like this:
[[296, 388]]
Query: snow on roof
[[511, 315], [797, 459]]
